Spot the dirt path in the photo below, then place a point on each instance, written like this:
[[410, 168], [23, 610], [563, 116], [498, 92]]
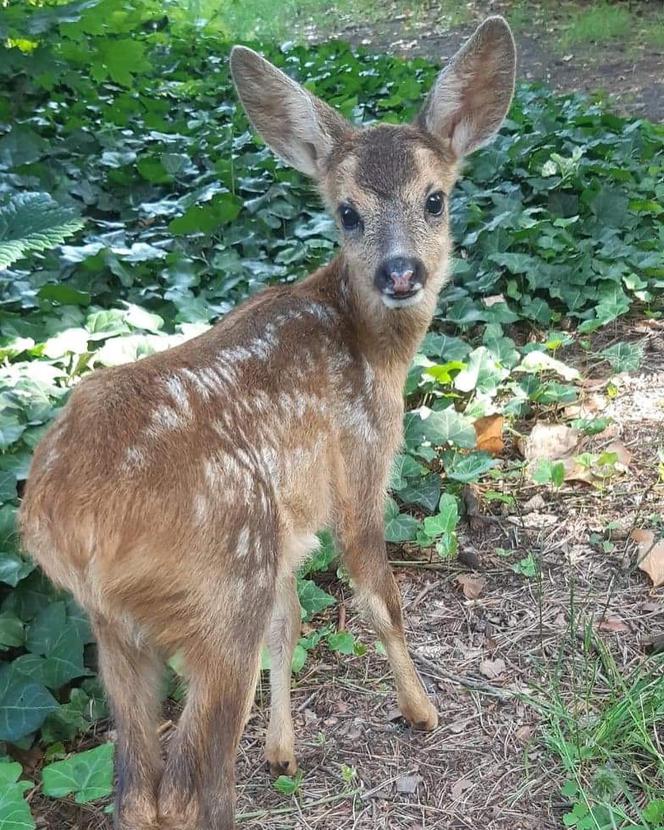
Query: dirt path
[[629, 70]]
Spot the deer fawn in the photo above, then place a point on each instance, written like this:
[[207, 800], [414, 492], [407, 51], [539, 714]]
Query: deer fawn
[[175, 497]]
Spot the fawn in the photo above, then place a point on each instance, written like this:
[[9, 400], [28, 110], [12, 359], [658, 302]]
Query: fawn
[[176, 497]]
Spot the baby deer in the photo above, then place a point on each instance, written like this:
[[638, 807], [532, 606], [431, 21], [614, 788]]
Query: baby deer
[[175, 497]]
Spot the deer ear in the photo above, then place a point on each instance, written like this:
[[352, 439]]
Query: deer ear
[[300, 128], [473, 93]]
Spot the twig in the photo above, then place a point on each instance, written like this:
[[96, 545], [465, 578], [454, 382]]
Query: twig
[[476, 685], [282, 811]]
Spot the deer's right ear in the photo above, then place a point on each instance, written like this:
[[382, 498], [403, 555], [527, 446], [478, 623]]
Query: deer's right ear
[[300, 128]]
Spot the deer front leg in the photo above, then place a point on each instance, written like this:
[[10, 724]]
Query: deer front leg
[[365, 557], [282, 637]]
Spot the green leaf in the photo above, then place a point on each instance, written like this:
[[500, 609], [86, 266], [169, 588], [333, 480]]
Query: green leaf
[[312, 598], [24, 704], [467, 468], [342, 642], [87, 776], [14, 809], [482, 374], [439, 427], [624, 357], [11, 630], [33, 222], [13, 568], [286, 785], [399, 527]]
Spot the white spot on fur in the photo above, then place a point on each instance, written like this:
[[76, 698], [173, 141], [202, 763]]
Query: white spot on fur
[[179, 394], [243, 542], [198, 383], [134, 457], [166, 418], [201, 507]]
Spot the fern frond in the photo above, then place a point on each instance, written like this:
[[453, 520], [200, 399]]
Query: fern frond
[[33, 222]]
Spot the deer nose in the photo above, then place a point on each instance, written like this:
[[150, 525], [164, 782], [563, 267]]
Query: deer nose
[[400, 276]]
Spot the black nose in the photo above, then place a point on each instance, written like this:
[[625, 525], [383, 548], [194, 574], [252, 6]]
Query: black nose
[[400, 276]]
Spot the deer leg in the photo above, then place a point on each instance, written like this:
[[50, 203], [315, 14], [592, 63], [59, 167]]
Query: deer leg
[[197, 790], [378, 596], [131, 673], [283, 634]]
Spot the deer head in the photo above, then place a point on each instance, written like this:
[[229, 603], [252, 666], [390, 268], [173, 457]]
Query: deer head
[[387, 186]]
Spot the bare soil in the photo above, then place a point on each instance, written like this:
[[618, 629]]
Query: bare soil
[[630, 70]]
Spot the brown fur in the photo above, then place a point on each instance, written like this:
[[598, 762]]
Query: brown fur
[[176, 496]]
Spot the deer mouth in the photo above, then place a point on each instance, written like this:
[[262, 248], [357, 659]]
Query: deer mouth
[[402, 299]]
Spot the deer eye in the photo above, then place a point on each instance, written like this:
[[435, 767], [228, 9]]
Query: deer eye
[[350, 218], [434, 203]]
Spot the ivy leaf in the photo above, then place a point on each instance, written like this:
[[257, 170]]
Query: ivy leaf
[[399, 527], [86, 775], [467, 468], [11, 630], [439, 427], [624, 357], [24, 704], [14, 809], [483, 373], [312, 598]]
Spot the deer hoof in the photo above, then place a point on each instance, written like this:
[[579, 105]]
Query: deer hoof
[[422, 716], [281, 762]]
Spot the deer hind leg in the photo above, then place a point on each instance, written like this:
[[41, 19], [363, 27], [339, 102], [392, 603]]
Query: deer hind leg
[[131, 672], [378, 596], [197, 790], [282, 637]]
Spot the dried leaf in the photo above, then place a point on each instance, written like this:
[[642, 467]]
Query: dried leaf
[[523, 734], [493, 299], [651, 555], [574, 471], [533, 504], [489, 431], [542, 361], [613, 624], [624, 455], [408, 783], [472, 586], [550, 441], [492, 668], [459, 787]]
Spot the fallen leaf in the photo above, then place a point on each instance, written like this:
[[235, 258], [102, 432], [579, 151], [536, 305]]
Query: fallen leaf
[[651, 555], [550, 441], [523, 734], [574, 471], [624, 455], [542, 362], [493, 299], [613, 624], [492, 668], [536, 503], [408, 783], [489, 431], [459, 787], [644, 538], [472, 586], [534, 521]]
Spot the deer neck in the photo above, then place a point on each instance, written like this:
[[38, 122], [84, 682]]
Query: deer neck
[[388, 337]]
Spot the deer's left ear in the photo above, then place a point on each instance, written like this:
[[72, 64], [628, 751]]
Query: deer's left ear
[[473, 93]]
